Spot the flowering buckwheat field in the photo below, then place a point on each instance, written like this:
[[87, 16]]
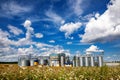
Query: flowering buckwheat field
[[14, 72]]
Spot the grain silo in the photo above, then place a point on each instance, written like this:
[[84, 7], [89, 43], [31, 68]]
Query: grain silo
[[24, 62], [81, 61], [62, 59], [89, 60], [32, 62], [100, 60], [86, 60], [92, 61]]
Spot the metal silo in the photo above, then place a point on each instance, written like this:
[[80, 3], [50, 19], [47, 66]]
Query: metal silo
[[32, 62], [41, 61], [25, 62], [81, 61], [86, 61], [76, 61], [73, 63], [92, 61], [62, 60], [89, 60], [100, 60]]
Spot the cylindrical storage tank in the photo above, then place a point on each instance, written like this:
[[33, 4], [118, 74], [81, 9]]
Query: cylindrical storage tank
[[89, 61], [19, 61], [76, 61], [92, 61], [41, 61], [81, 61], [62, 60], [25, 62], [73, 62], [86, 61], [32, 62], [100, 61]]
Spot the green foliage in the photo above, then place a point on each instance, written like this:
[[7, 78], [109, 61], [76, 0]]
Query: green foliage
[[14, 72]]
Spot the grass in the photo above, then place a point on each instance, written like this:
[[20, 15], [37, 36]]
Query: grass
[[14, 72]]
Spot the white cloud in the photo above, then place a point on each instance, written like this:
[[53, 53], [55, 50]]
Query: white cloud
[[77, 6], [93, 48], [54, 17], [4, 38], [105, 27], [87, 17], [29, 50], [70, 28], [55, 49], [52, 41], [9, 58], [69, 43], [27, 23], [39, 35], [30, 30], [12, 8], [14, 48], [15, 30], [3, 34]]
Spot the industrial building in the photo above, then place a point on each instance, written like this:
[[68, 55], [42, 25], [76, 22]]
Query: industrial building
[[61, 60]]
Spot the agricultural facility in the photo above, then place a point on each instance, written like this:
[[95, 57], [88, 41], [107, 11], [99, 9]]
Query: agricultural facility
[[62, 60]]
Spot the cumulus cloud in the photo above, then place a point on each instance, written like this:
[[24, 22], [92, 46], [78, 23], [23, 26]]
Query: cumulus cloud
[[54, 17], [52, 41], [55, 49], [30, 30], [29, 50], [10, 49], [70, 28], [93, 48], [39, 35], [27, 23], [15, 30], [3, 34], [4, 38], [105, 27]]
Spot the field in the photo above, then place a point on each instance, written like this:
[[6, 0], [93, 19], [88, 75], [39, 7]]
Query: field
[[14, 72]]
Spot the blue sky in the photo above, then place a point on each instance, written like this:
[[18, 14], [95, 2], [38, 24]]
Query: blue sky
[[42, 27]]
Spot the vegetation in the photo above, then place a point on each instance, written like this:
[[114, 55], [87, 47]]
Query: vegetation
[[14, 72]]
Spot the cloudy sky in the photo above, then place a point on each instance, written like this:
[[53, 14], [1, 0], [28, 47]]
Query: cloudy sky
[[41, 27]]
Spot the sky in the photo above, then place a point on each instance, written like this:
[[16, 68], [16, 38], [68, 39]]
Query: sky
[[42, 27]]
